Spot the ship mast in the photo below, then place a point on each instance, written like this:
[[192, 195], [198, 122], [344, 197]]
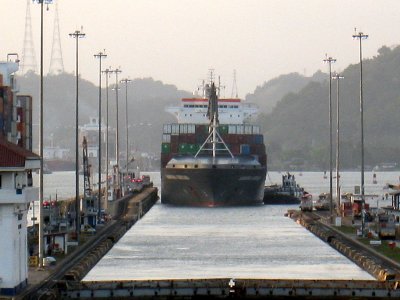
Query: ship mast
[[213, 116], [214, 137]]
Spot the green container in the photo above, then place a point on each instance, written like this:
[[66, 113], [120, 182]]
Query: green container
[[165, 148], [223, 129], [183, 148], [193, 148]]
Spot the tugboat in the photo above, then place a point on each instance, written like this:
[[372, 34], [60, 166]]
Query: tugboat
[[214, 164], [288, 192]]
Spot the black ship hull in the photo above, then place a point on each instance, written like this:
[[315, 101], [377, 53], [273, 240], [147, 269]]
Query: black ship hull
[[277, 198], [210, 187]]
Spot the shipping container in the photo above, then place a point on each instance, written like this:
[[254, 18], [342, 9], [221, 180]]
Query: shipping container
[[191, 128], [175, 129], [257, 149], [187, 138], [167, 129], [235, 149], [245, 149], [223, 129], [165, 147], [256, 129], [166, 138], [232, 129], [200, 138], [193, 148], [183, 128], [201, 129], [240, 129], [183, 148], [248, 129], [174, 139], [242, 139], [259, 139]]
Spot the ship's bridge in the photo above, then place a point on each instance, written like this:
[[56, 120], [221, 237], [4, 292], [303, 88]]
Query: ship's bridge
[[230, 111]]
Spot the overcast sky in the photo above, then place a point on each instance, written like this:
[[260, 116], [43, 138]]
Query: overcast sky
[[177, 41]]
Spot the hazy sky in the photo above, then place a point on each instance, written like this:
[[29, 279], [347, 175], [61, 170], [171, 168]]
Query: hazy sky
[[177, 41]]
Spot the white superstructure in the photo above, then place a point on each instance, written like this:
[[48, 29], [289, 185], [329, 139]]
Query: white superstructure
[[16, 192], [230, 111]]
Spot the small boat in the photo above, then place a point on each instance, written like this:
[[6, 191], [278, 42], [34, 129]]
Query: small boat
[[288, 192]]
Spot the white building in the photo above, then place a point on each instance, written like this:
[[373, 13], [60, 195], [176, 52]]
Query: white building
[[55, 153], [16, 192]]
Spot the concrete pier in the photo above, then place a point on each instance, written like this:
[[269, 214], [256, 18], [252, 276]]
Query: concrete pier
[[379, 266], [125, 211]]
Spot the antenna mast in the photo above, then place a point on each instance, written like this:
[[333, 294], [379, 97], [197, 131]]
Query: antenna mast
[[56, 61], [28, 61]]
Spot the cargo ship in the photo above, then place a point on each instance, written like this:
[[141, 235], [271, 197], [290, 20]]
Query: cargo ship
[[213, 156]]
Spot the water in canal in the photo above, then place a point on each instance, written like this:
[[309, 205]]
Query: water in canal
[[245, 242]]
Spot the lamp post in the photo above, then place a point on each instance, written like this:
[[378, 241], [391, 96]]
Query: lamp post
[[100, 56], [117, 71], [126, 81], [107, 72], [77, 35], [330, 60], [41, 232], [337, 77], [361, 36]]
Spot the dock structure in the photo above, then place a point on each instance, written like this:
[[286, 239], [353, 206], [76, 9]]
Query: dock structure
[[125, 212], [229, 287], [378, 265]]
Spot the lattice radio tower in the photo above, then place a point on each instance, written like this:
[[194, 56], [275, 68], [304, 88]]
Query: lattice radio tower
[[56, 61], [28, 60], [234, 86]]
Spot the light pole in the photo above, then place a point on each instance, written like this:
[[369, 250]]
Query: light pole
[[100, 56], [77, 35], [330, 60], [106, 71], [337, 77], [117, 71], [41, 232], [126, 81], [361, 36]]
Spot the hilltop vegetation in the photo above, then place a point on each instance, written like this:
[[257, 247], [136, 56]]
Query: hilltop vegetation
[[294, 113], [297, 130]]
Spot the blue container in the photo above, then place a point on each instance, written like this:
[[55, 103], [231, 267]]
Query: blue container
[[259, 139], [245, 149]]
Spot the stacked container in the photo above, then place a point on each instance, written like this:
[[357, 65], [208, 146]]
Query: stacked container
[[186, 139]]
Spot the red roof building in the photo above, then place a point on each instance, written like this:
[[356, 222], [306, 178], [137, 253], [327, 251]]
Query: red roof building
[[15, 157]]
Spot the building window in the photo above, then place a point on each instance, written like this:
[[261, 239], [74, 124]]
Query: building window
[[30, 179]]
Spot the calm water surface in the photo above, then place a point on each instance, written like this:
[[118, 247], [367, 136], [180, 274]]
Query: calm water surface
[[245, 242]]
